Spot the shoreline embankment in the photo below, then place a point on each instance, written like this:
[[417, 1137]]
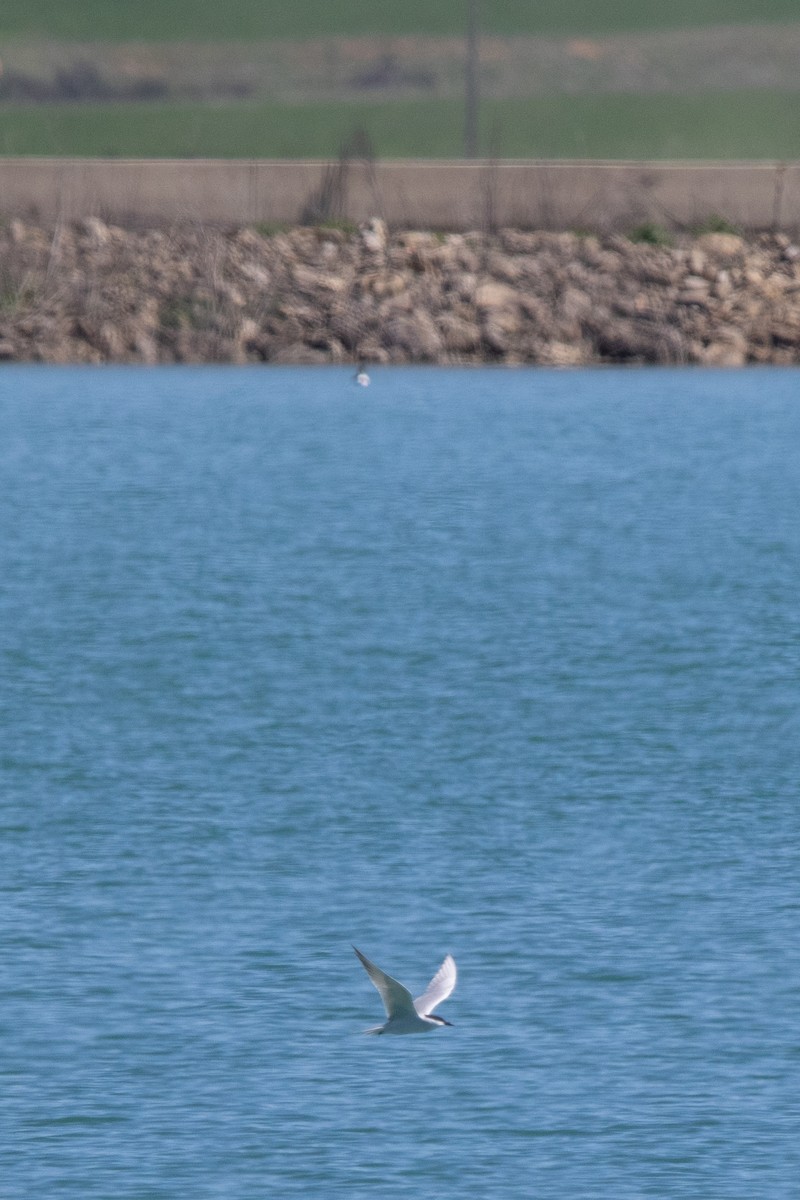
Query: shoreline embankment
[[94, 292]]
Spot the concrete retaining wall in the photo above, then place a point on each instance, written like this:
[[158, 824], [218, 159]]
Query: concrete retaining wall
[[450, 195]]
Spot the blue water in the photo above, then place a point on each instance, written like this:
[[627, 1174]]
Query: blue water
[[497, 663]]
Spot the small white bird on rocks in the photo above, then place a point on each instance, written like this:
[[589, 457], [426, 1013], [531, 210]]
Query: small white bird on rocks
[[406, 1015]]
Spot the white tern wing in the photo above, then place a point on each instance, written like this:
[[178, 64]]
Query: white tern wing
[[396, 999], [438, 989]]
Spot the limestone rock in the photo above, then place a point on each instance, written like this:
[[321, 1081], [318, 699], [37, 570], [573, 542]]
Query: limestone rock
[[721, 245], [459, 335], [564, 354], [96, 230], [416, 335], [253, 272], [111, 341], [729, 348], [694, 290], [18, 231], [374, 236], [308, 281], [145, 347], [493, 295], [385, 283], [499, 328]]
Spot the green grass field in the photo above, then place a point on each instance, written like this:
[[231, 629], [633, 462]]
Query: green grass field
[[598, 124], [758, 125], [157, 20]]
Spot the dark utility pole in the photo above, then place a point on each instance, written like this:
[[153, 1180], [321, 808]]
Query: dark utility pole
[[471, 100]]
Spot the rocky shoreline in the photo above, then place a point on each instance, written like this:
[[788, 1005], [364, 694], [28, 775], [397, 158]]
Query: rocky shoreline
[[96, 293]]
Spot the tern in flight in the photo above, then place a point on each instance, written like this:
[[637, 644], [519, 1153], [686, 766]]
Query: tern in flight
[[404, 1014]]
